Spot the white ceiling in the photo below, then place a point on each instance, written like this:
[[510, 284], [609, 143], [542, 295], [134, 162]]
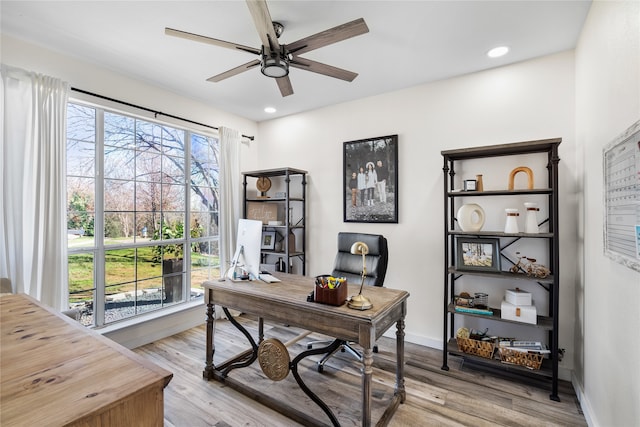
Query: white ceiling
[[409, 43]]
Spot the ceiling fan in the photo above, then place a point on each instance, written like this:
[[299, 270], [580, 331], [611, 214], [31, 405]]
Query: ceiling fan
[[275, 58]]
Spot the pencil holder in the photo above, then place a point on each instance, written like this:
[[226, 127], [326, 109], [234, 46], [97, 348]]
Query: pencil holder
[[336, 296]]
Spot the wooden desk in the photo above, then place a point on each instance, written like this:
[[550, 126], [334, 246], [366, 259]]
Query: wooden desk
[[285, 302], [54, 372]]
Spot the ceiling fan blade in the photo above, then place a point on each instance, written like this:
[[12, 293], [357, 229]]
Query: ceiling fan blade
[[264, 24], [285, 86], [209, 40], [234, 71], [320, 68], [330, 36]]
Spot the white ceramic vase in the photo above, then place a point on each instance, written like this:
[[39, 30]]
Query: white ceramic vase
[[511, 225], [470, 217], [531, 218]]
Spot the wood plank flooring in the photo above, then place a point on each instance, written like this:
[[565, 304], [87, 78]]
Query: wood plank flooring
[[460, 397]]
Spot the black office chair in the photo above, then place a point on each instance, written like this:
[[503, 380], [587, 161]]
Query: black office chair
[[350, 266]]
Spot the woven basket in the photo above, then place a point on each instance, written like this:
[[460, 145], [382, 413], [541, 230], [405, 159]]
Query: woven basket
[[514, 357], [477, 348]]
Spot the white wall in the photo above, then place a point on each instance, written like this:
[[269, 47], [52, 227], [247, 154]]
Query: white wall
[[526, 101], [608, 330]]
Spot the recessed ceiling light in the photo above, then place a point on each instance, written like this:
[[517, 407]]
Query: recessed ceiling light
[[269, 110], [497, 52]]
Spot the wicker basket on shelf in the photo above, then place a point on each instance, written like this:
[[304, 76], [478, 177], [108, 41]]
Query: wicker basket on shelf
[[514, 357], [477, 348]]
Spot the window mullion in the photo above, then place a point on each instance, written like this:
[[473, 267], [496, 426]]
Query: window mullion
[[99, 260]]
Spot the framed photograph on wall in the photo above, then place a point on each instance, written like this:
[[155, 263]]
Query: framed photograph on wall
[[370, 180], [268, 240], [477, 254]]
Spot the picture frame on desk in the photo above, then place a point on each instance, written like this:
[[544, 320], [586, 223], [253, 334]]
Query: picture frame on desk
[[370, 180], [268, 240], [473, 254]]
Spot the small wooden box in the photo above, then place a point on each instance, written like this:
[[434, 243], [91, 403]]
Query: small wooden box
[[337, 296]]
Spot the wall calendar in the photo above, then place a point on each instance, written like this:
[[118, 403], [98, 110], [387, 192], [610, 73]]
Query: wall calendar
[[621, 168]]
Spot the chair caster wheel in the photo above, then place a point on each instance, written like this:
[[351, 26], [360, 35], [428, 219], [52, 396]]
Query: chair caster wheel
[[320, 368]]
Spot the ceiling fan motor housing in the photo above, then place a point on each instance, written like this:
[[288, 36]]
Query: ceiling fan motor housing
[[274, 63]]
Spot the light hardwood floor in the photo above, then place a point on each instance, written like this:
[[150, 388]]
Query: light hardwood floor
[[460, 397]]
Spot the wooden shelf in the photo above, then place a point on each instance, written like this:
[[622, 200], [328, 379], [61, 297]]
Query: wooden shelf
[[499, 192], [544, 322], [501, 234], [503, 275], [544, 371]]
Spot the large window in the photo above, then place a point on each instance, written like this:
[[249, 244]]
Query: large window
[[142, 214]]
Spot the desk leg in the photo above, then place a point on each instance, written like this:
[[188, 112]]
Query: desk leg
[[367, 373], [400, 360], [208, 367]]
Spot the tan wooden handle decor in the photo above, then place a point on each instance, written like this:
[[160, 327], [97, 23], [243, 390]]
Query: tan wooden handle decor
[[524, 169]]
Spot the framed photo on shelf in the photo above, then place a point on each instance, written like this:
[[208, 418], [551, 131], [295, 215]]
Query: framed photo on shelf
[[370, 180], [268, 240], [477, 254]]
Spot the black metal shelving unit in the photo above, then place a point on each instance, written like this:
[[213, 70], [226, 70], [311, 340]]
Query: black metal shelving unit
[[291, 177], [549, 322]]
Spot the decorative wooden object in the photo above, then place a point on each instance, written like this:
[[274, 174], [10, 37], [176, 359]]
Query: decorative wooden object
[[524, 169], [57, 372]]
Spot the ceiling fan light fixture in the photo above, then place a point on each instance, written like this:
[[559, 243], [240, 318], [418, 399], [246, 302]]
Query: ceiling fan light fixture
[[274, 64]]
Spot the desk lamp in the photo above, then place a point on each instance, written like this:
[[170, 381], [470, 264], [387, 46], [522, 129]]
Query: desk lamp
[[360, 302]]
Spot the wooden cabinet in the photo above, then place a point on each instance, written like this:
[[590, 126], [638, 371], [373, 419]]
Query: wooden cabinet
[[495, 280], [277, 197]]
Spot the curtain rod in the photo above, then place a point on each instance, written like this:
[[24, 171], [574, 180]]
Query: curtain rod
[[156, 113]]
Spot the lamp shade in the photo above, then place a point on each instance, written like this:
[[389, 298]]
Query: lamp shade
[[359, 248]]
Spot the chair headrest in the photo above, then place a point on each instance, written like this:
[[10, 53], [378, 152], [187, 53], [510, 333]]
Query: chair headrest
[[376, 243]]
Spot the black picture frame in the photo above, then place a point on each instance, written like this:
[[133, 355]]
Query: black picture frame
[[268, 241], [376, 202], [474, 254]]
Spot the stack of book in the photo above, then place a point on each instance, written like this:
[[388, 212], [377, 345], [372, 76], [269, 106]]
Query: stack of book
[[524, 346]]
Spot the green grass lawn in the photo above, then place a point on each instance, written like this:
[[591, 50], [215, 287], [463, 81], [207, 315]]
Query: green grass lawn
[[125, 269]]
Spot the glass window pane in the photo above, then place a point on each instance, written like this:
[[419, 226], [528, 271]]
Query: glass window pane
[[149, 295], [119, 228], [81, 158], [172, 169], [148, 197], [148, 167], [204, 199], [80, 279], [145, 225], [119, 163], [147, 265], [173, 141], [81, 123], [119, 268], [173, 197], [118, 130], [148, 136], [172, 269], [118, 195]]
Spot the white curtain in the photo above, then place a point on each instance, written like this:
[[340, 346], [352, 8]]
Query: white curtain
[[230, 141], [33, 237]]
